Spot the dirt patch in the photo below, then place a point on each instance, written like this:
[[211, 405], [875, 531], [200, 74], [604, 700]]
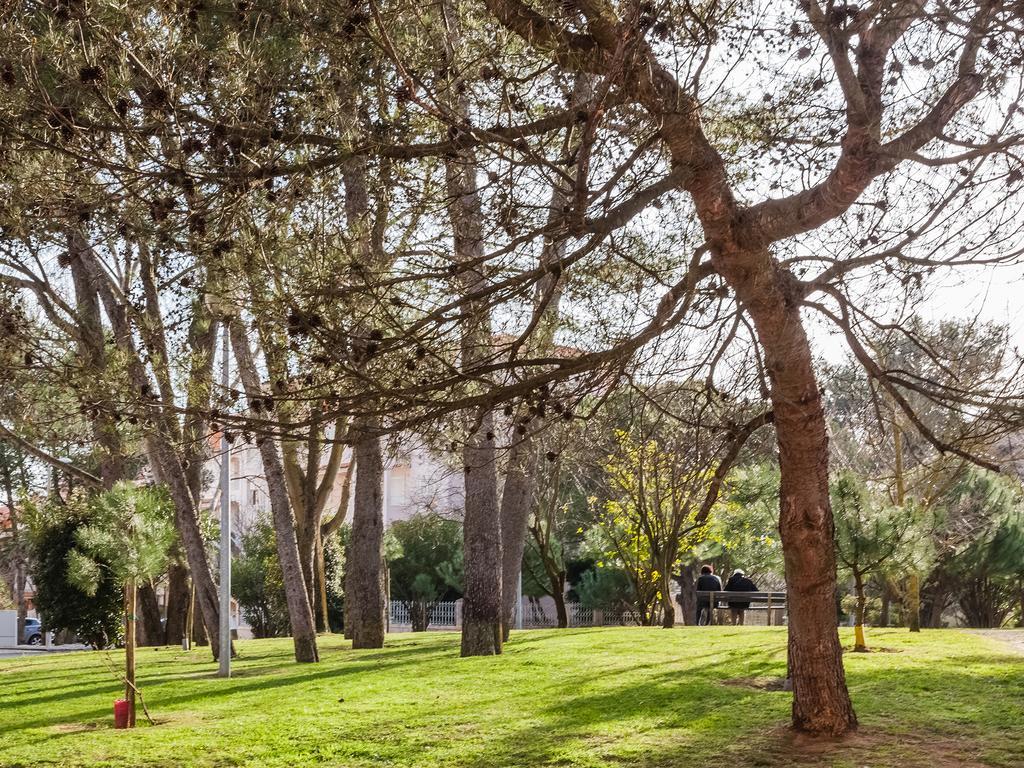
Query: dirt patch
[[867, 747], [1014, 638], [75, 727], [851, 649], [758, 683]]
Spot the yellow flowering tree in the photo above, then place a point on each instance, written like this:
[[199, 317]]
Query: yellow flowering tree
[[656, 492]]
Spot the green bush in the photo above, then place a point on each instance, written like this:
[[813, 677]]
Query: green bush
[[53, 537]]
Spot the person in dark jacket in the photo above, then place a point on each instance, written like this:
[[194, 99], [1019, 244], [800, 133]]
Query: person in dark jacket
[[706, 582], [739, 582]]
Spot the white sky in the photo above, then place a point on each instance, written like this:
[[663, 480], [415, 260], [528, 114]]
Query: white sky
[[992, 294]]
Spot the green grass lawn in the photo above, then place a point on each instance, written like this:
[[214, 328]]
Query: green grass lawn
[[595, 697]]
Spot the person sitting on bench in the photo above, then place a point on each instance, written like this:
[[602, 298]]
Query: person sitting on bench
[[706, 582], [739, 582]]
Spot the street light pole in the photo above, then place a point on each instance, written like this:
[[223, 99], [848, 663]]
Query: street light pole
[[225, 525]]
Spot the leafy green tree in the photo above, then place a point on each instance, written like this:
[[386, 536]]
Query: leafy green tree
[[257, 583], [96, 618], [427, 564], [128, 537], [981, 530], [870, 534], [657, 489], [744, 528]]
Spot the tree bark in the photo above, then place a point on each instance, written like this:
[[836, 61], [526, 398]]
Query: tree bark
[[364, 570], [914, 601], [821, 702], [177, 603], [323, 621], [668, 608], [516, 498], [561, 611], [481, 600], [162, 456], [297, 596], [687, 594], [860, 644], [150, 630]]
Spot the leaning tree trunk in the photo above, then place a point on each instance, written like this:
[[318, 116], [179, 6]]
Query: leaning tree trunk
[[297, 596], [364, 570], [206, 598], [821, 702]]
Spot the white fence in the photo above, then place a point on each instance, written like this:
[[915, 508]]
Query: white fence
[[536, 615], [442, 615]]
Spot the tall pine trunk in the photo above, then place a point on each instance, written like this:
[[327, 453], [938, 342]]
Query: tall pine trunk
[[364, 568], [150, 629], [297, 596], [481, 600], [516, 499], [178, 598]]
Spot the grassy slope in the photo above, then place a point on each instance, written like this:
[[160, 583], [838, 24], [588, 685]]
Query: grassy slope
[[645, 697]]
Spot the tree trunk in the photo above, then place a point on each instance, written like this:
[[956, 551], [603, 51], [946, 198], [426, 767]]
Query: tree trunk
[[419, 615], [151, 631], [481, 600], [205, 597], [914, 601], [21, 607], [364, 600], [306, 542], [668, 608], [687, 593], [178, 598], [821, 702], [883, 614], [297, 595], [516, 497], [349, 591], [561, 611], [860, 644], [321, 583]]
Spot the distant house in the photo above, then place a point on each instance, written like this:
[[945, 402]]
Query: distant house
[[8, 577], [416, 479]]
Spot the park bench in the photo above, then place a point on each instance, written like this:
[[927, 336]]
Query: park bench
[[772, 602]]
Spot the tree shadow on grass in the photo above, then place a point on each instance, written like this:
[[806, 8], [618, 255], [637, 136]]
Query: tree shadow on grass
[[703, 722], [206, 686]]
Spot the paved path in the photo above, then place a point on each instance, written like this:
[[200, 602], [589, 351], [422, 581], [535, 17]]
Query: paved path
[[1012, 637], [36, 650]]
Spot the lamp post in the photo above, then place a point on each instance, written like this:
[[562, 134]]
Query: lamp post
[[225, 525]]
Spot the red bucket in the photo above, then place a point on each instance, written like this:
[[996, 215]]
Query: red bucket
[[121, 712]]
